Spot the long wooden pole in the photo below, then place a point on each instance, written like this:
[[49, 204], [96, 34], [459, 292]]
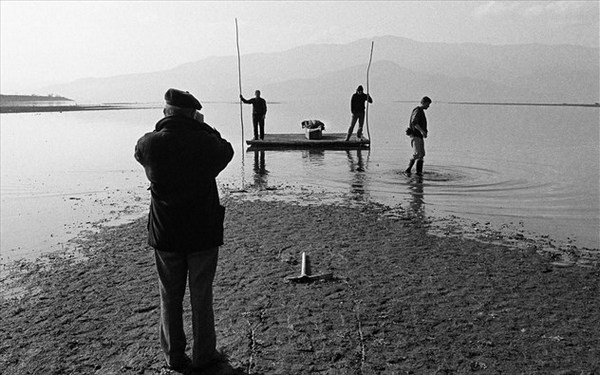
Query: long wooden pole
[[237, 43], [367, 111]]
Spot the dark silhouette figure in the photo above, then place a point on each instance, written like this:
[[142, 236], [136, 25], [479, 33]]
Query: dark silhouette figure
[[259, 112], [357, 107], [417, 130], [181, 158]]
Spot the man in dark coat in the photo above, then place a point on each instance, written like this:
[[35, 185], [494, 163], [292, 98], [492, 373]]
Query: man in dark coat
[[417, 130], [182, 157], [357, 107], [259, 112]]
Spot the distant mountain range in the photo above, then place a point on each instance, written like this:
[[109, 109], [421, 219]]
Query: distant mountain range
[[402, 69]]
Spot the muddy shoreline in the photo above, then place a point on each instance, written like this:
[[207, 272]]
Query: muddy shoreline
[[402, 301]]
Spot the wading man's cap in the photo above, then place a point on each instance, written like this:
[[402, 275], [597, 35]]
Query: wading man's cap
[[182, 99]]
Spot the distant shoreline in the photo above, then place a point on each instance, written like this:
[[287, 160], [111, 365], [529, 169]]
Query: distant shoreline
[[65, 108], [595, 105], [592, 105], [33, 98], [119, 106]]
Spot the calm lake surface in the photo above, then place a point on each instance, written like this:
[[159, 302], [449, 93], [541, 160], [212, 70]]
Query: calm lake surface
[[535, 167]]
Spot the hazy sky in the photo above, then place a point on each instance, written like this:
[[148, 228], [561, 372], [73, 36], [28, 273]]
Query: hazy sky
[[45, 42]]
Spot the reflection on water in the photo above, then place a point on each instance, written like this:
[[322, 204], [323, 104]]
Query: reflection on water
[[260, 170], [523, 194], [314, 156], [357, 165], [415, 187], [357, 168]]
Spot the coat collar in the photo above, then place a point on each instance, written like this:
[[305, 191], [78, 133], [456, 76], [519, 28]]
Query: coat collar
[[173, 121]]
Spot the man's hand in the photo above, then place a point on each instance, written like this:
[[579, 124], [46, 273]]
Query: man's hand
[[198, 116]]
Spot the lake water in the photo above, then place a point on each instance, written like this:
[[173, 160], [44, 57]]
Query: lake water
[[535, 167]]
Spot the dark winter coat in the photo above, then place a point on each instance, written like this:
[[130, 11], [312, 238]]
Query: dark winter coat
[[182, 157]]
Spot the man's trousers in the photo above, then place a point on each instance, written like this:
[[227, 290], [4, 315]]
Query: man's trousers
[[174, 269]]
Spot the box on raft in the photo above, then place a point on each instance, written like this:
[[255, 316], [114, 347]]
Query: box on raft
[[313, 133], [313, 129]]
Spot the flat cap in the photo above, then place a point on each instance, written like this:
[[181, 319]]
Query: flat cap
[[182, 99]]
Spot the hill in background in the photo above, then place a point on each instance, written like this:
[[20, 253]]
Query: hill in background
[[402, 69]]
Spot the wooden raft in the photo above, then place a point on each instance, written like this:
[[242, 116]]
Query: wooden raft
[[334, 141]]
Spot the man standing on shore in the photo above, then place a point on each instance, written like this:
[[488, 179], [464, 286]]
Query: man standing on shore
[[357, 107], [417, 130], [259, 112], [182, 157]]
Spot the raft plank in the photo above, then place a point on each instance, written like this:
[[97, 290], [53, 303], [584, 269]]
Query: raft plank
[[334, 141]]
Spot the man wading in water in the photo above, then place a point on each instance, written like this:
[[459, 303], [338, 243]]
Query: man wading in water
[[417, 130]]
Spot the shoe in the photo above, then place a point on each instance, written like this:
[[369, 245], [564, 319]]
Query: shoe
[[419, 167], [180, 365], [219, 361], [410, 165]]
